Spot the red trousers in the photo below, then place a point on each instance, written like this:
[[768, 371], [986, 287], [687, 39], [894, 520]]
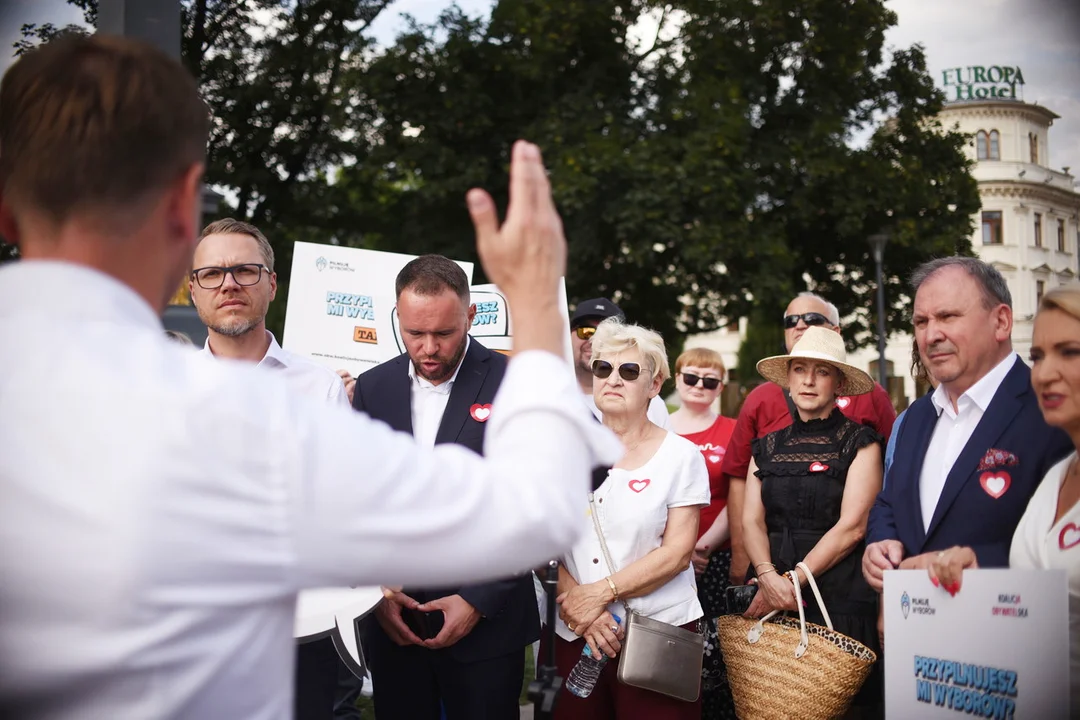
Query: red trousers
[[611, 700]]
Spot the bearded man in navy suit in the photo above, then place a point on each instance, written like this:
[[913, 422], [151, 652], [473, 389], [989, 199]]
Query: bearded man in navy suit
[[461, 649], [970, 455]]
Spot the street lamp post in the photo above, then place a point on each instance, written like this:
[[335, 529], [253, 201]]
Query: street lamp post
[[877, 246]]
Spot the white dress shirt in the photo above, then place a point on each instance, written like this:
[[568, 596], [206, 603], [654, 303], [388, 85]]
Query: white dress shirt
[[1039, 543], [159, 513], [303, 375], [429, 402], [657, 412], [953, 430], [633, 509]]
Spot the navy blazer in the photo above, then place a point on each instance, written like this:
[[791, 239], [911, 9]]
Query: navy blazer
[[511, 620], [966, 513]]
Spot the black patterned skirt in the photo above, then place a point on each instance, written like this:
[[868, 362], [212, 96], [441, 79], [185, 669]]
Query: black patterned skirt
[[716, 702]]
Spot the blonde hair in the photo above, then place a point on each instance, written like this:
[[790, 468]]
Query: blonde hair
[[702, 358], [1065, 299], [613, 336]]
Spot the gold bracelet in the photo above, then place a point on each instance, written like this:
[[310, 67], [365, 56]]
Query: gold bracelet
[[762, 574], [764, 563], [614, 590]]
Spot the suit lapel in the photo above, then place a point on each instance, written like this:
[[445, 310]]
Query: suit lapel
[[1005, 406], [922, 429], [398, 401], [470, 380]]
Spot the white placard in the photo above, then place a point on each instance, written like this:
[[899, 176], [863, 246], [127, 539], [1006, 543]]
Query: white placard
[[493, 326], [998, 649], [341, 305]]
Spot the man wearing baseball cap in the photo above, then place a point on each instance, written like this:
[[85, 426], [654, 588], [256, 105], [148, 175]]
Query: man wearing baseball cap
[[587, 315]]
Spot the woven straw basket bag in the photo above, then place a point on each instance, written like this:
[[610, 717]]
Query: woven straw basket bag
[[780, 667]]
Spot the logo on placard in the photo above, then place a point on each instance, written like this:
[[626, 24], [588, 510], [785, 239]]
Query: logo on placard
[[365, 335], [905, 604], [320, 264], [1009, 606]]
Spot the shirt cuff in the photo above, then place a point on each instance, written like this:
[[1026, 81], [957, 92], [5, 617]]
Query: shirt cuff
[[539, 381]]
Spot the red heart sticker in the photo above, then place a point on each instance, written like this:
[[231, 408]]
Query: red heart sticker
[[843, 402], [480, 413], [995, 483], [639, 485], [1069, 537], [818, 467]]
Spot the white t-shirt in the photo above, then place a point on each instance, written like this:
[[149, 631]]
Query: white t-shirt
[[1041, 544], [633, 509]]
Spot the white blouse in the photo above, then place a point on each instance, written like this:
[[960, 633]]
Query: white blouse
[[1041, 544], [633, 509]]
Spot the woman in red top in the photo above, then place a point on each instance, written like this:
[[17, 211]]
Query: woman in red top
[[699, 378]]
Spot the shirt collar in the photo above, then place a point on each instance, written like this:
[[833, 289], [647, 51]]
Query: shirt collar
[[275, 355], [982, 392], [72, 291], [445, 387]]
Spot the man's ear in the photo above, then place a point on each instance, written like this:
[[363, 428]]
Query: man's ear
[[183, 209], [9, 229]]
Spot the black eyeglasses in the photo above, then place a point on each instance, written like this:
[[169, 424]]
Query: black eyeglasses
[[584, 332], [707, 383], [627, 371], [812, 319], [211, 278]]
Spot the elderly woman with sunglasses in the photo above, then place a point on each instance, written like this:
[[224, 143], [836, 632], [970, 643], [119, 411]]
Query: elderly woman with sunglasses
[[648, 507]]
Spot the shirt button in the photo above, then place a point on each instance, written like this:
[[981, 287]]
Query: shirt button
[[595, 560], [600, 500]]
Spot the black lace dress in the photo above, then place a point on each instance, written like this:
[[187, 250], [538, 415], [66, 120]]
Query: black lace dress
[[803, 469]]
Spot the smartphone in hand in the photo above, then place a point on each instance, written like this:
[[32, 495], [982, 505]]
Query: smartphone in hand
[[739, 598]]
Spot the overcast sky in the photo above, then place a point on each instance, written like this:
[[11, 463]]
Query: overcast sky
[[1042, 37]]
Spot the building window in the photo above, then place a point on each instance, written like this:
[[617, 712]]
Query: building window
[[1033, 146], [1040, 288], [1038, 230], [980, 145], [995, 145], [991, 227], [1061, 235]]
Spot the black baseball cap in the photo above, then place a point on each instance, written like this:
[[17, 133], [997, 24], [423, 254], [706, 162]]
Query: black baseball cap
[[599, 308]]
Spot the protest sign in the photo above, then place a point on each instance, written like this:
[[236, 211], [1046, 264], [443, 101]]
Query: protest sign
[[997, 649], [341, 305]]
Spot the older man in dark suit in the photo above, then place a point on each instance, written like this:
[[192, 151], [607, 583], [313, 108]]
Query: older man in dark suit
[[459, 648], [970, 455]]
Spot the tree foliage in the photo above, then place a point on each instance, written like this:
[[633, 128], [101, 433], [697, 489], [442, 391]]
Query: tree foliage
[[708, 162]]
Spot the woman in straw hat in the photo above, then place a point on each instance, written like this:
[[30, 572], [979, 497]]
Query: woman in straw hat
[[809, 490]]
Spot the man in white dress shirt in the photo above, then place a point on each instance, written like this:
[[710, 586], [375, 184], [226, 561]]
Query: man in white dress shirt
[[159, 513], [232, 284]]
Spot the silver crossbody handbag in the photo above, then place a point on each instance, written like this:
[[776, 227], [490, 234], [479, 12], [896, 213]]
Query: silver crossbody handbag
[[655, 655]]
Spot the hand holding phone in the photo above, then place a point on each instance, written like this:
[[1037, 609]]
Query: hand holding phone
[[739, 598]]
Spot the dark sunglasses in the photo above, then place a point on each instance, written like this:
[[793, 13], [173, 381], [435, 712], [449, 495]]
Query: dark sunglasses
[[584, 332], [812, 319], [627, 371], [707, 383]]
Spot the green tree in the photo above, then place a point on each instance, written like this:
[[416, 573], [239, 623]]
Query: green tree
[[699, 174]]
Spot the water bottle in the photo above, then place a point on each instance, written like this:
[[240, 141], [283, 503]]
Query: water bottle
[[583, 677]]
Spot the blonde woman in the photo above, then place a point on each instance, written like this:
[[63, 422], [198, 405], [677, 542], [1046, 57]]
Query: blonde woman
[[1047, 536], [648, 506], [808, 497]]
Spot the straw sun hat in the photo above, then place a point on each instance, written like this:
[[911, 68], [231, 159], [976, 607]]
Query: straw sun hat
[[817, 343]]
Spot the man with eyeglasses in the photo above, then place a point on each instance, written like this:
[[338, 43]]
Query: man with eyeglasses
[[232, 284], [768, 408], [587, 315]]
